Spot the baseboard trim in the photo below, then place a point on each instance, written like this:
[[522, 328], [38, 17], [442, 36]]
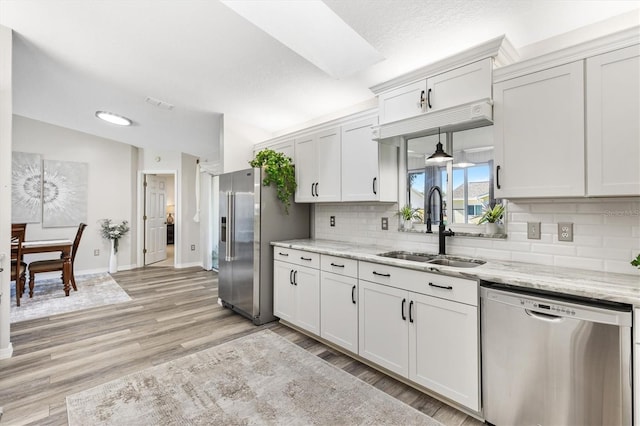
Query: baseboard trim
[[6, 352]]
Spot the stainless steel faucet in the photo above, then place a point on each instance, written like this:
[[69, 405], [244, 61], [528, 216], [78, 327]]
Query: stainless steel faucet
[[441, 228]]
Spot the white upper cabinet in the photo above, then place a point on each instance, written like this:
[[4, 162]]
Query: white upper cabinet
[[403, 102], [286, 147], [369, 170], [613, 123], [458, 86], [317, 158], [539, 133]]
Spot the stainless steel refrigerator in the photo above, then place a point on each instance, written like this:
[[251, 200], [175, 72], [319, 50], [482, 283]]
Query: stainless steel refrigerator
[[251, 217]]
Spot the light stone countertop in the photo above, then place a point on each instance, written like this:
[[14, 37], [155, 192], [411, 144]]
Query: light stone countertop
[[590, 284]]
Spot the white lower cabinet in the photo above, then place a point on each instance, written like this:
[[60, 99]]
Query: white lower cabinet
[[419, 325], [296, 291], [424, 327], [384, 336], [443, 348], [339, 310]]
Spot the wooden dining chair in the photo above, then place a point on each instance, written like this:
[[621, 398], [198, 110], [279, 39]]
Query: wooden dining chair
[[52, 265], [18, 266]]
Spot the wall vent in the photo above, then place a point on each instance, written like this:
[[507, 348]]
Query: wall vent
[[158, 103]]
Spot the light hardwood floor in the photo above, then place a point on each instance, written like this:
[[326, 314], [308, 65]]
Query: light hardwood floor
[[173, 313]]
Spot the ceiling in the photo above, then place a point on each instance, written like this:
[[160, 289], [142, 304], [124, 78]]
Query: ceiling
[[73, 57]]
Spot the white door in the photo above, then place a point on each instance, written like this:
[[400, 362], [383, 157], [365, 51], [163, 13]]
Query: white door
[[383, 325], [360, 180], [459, 86], [155, 232], [403, 102], [539, 134], [283, 291], [613, 123], [443, 348], [328, 159], [339, 310], [306, 282], [306, 169]]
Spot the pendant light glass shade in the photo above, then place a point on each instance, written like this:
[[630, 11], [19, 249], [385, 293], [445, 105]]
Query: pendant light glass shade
[[461, 160], [439, 156]]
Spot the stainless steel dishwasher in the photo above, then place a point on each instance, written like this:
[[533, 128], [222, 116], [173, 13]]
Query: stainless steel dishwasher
[[554, 360]]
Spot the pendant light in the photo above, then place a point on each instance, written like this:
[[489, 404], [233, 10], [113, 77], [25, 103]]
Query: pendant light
[[461, 160], [439, 156]]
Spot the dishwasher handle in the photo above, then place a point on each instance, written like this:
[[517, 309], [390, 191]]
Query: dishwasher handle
[[544, 317]]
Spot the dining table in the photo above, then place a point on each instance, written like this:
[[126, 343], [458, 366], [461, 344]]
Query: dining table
[[46, 246]]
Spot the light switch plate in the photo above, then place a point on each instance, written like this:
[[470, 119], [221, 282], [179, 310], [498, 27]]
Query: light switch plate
[[565, 231], [533, 230]]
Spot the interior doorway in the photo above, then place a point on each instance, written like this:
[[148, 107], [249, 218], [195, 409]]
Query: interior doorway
[[159, 219]]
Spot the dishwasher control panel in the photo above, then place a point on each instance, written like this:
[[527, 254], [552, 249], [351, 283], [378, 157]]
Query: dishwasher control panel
[[556, 308]]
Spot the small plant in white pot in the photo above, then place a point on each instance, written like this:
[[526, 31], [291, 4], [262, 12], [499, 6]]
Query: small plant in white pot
[[492, 216], [408, 214]]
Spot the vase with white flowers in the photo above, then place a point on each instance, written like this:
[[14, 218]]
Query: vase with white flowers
[[113, 231]]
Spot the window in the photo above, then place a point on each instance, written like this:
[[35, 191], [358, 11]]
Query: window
[[466, 182]]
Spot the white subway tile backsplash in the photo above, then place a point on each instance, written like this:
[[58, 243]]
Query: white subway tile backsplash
[[542, 259], [555, 249], [579, 262], [606, 232]]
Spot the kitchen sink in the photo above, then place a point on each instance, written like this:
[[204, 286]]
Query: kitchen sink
[[457, 263], [435, 259], [406, 255]]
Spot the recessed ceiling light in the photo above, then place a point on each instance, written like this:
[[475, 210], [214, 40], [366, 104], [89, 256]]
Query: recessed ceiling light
[[113, 118]]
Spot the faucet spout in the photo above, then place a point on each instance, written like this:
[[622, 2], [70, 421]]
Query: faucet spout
[[442, 233]]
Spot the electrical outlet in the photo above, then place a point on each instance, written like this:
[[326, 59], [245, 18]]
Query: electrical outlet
[[96, 252], [385, 223], [533, 230], [193, 247], [565, 231], [332, 220]]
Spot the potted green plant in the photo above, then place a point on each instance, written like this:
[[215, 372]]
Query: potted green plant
[[280, 171], [636, 262], [408, 214], [492, 216]]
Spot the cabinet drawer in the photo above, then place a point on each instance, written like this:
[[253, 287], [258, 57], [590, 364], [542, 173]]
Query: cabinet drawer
[[297, 257], [339, 265], [442, 286]]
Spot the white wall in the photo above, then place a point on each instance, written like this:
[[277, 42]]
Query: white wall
[[188, 233], [5, 187], [606, 233], [239, 139], [111, 187]]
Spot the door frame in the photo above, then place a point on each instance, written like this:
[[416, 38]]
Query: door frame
[[141, 211]]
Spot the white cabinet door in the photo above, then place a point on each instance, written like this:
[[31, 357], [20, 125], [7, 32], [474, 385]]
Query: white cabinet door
[[443, 348], [459, 86], [403, 102], [283, 291], [318, 167], [539, 134], [307, 298], [339, 310], [360, 178], [328, 159], [613, 123], [306, 168], [383, 326]]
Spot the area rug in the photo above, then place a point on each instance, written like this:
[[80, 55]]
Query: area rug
[[49, 299], [258, 379]]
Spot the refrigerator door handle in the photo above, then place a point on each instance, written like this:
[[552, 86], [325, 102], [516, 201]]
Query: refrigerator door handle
[[230, 226]]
